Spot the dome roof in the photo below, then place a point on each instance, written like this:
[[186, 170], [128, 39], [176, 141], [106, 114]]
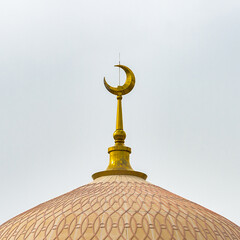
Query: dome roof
[[119, 207], [119, 204]]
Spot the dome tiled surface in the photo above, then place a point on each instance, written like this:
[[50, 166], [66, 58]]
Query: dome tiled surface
[[119, 207]]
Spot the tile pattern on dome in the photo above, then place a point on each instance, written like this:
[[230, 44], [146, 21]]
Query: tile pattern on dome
[[119, 207]]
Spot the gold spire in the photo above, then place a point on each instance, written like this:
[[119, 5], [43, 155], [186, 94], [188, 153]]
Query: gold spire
[[119, 154]]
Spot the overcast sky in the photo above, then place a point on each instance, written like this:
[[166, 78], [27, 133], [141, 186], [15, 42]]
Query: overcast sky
[[181, 119]]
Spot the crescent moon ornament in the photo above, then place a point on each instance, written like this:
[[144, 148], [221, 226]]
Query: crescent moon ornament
[[128, 85]]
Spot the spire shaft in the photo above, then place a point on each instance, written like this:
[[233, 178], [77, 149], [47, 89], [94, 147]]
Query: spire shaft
[[119, 135], [119, 122]]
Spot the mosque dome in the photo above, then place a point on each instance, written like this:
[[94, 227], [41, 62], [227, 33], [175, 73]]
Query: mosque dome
[[119, 207], [119, 204]]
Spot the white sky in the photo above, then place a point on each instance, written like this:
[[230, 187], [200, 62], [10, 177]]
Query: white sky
[[182, 118]]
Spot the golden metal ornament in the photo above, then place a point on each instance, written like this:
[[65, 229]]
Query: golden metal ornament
[[128, 85], [119, 154]]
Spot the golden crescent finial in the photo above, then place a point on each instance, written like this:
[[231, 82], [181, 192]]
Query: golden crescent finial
[[128, 85], [119, 163]]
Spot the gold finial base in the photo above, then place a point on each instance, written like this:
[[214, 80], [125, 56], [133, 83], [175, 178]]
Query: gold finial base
[[119, 158], [119, 172], [119, 163]]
